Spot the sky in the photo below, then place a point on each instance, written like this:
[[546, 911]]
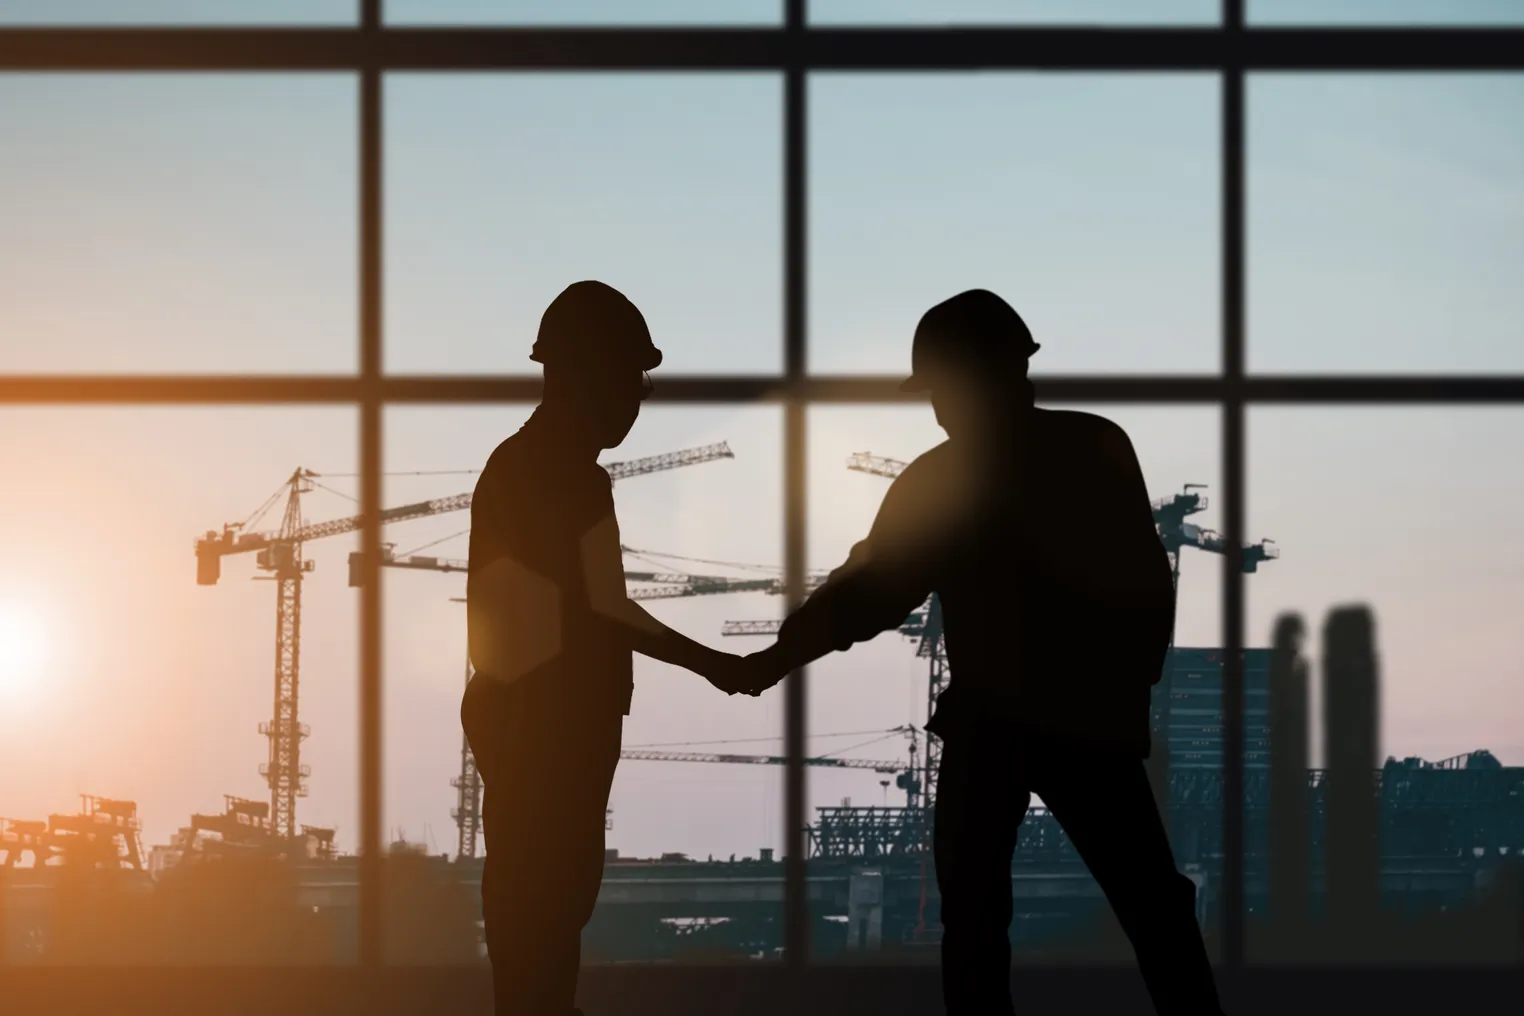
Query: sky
[[207, 224]]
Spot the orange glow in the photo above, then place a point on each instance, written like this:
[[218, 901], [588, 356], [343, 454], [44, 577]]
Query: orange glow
[[21, 645]]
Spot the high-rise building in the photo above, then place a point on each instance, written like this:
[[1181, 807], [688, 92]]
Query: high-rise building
[[1192, 688]]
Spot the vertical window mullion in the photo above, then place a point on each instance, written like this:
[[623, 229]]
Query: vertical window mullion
[[1231, 893], [370, 923], [796, 901]]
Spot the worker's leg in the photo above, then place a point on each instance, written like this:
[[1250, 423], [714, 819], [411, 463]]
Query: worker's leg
[[978, 810], [546, 771], [1106, 806]]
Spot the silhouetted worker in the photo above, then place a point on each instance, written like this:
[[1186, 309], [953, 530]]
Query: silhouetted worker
[[551, 629], [1034, 529]]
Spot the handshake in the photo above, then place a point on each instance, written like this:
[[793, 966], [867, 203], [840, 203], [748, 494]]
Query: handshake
[[748, 675]]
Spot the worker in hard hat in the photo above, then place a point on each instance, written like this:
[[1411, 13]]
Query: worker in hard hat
[[1034, 529], [551, 630]]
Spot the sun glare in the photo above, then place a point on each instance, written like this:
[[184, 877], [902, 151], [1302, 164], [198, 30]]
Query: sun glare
[[20, 650]]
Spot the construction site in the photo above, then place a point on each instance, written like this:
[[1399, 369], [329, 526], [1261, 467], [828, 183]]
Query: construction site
[[1433, 840]]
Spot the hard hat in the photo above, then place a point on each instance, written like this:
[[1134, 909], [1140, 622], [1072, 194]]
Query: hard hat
[[974, 332], [593, 324]]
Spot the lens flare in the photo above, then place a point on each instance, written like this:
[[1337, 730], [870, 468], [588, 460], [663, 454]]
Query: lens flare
[[20, 649]]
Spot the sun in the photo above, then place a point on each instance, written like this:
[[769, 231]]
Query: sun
[[20, 650]]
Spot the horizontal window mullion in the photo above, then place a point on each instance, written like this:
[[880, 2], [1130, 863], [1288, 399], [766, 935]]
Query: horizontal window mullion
[[866, 49], [253, 390]]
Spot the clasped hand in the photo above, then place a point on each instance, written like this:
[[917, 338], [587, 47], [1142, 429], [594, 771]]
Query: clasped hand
[[748, 675]]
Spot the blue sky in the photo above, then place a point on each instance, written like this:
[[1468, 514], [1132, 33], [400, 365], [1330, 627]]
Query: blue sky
[[208, 223]]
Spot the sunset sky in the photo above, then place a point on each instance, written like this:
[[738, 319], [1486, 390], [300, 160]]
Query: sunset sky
[[208, 224]]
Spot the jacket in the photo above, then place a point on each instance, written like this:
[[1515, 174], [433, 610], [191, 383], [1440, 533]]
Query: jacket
[[1057, 594]]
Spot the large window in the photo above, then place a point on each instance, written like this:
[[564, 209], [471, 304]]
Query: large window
[[308, 260]]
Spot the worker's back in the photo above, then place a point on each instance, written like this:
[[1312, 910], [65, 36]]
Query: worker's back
[[1056, 593], [530, 622]]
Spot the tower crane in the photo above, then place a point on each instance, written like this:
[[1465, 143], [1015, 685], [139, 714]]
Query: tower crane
[[1177, 534], [279, 553]]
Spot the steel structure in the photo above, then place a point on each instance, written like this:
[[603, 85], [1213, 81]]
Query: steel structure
[[1230, 49], [104, 833]]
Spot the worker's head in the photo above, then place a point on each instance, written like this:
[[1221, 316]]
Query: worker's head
[[970, 354], [596, 350]]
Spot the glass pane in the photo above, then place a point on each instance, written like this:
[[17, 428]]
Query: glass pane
[[1383, 223], [503, 190], [991, 12], [872, 703], [582, 12], [178, 12], [1071, 196], [1384, 12], [178, 224], [141, 672], [672, 816], [1413, 515]]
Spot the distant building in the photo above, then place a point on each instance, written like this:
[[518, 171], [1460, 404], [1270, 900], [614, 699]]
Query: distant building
[[1192, 688]]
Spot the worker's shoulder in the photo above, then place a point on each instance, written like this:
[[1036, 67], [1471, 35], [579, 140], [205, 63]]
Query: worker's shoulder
[[511, 453], [931, 466], [511, 465], [1074, 426]]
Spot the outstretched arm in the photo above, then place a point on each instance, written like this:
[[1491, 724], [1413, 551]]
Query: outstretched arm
[[887, 575], [603, 572]]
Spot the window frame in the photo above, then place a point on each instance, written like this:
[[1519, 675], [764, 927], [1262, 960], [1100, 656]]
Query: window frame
[[794, 49]]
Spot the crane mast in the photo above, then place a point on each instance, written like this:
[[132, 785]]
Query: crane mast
[[284, 772], [468, 793]]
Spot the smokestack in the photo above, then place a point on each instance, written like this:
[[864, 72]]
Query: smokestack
[[1351, 710], [1290, 874]]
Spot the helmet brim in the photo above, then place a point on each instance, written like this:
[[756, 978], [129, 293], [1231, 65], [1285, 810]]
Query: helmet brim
[[649, 359], [921, 383], [915, 384]]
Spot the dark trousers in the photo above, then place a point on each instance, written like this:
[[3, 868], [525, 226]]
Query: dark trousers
[[1106, 806], [547, 763]]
